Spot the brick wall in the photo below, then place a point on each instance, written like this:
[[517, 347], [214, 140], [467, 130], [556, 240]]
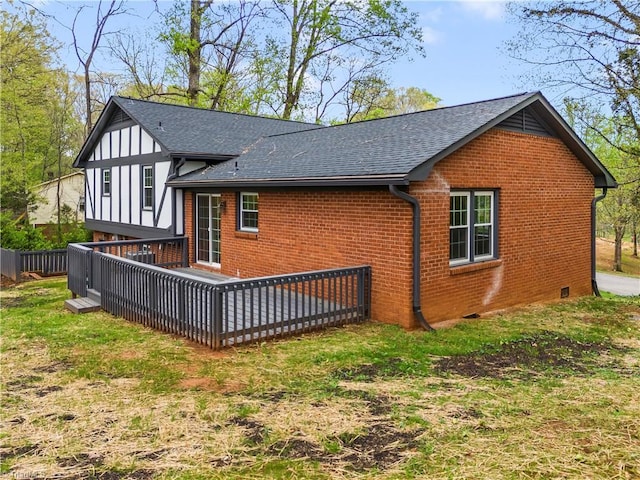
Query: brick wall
[[544, 231], [544, 225], [302, 230]]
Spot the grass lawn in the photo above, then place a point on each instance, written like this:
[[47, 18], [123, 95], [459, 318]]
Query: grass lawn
[[537, 393]]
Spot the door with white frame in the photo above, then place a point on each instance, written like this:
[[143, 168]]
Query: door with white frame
[[208, 229]]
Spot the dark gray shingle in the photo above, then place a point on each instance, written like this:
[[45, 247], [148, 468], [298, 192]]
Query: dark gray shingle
[[392, 146], [186, 130], [195, 130]]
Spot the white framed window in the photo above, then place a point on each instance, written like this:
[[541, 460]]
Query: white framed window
[[248, 212], [472, 226], [147, 187], [106, 182]]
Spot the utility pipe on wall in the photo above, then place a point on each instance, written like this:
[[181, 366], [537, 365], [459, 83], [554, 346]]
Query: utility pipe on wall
[[417, 307], [594, 283]]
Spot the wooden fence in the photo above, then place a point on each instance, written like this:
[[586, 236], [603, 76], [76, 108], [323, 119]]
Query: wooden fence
[[46, 262]]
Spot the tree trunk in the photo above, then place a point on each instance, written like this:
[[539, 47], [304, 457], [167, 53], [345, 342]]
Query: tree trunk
[[194, 53], [617, 255], [87, 98], [635, 238]]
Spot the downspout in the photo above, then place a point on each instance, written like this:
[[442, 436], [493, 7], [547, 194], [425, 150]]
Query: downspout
[[176, 170], [594, 284], [417, 308], [174, 214]]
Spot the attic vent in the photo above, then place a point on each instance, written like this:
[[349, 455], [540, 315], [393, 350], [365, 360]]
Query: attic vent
[[119, 117], [527, 122]]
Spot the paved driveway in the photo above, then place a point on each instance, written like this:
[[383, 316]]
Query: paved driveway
[[618, 284]]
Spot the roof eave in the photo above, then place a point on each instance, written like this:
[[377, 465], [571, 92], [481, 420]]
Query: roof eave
[[203, 156], [602, 176], [375, 180], [100, 125], [91, 140]]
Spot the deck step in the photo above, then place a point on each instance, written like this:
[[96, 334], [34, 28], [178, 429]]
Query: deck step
[[94, 295], [82, 305]]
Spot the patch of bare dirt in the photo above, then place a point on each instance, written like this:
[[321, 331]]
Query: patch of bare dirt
[[255, 432], [390, 367], [376, 403], [379, 446], [109, 475], [81, 460], [526, 357], [6, 282], [53, 367]]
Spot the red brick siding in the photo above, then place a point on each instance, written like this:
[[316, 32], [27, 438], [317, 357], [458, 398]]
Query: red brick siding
[[544, 225], [301, 230], [544, 231]]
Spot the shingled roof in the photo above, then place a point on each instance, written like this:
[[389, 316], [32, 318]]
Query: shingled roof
[[396, 149], [189, 131]]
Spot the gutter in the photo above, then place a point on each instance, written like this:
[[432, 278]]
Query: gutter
[[594, 284], [176, 170], [417, 308]]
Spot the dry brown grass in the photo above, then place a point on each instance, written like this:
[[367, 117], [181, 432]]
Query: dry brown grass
[[605, 253], [332, 405]]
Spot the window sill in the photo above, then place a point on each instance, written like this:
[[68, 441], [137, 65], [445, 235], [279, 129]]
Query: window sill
[[247, 235], [474, 267]]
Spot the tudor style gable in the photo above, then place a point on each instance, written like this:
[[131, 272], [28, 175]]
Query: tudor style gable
[[126, 171], [137, 147]]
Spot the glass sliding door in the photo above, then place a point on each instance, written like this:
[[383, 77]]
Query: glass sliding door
[[208, 229]]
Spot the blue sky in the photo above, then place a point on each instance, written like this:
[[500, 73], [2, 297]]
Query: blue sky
[[465, 60], [466, 57]]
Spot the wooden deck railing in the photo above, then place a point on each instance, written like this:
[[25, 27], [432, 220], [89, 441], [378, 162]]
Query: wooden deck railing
[[45, 262], [230, 312], [84, 272], [132, 283]]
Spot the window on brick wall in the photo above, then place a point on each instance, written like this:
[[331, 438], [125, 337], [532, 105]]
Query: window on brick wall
[[248, 212], [472, 226]]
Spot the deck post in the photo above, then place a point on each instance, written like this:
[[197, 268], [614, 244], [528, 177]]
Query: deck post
[[218, 298], [185, 252]]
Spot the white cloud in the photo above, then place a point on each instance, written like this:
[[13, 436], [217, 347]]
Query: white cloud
[[488, 9], [431, 36], [432, 16]]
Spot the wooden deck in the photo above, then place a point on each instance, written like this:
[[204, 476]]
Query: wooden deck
[[204, 274], [218, 310]]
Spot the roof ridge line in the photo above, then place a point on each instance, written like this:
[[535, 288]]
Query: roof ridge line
[[521, 94], [124, 99]]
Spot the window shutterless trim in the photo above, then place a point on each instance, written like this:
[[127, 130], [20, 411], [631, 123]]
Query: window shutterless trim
[[241, 211], [460, 226], [145, 187], [105, 184], [472, 225]]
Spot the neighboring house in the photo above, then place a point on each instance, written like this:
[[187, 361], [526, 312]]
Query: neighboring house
[[458, 210], [68, 191]]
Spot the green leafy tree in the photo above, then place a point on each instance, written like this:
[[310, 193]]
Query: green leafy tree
[[619, 212], [17, 235], [39, 129], [374, 98], [27, 83], [209, 42], [589, 49], [318, 33]]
